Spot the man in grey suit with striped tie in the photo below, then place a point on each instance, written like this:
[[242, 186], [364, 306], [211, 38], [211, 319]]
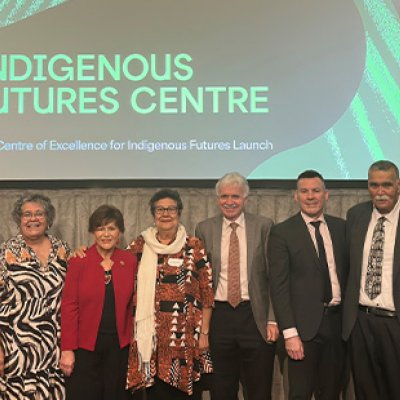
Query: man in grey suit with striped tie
[[242, 331]]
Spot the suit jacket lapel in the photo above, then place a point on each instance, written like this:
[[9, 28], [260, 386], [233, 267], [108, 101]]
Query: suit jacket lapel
[[250, 241], [359, 239], [305, 237], [217, 235], [396, 256]]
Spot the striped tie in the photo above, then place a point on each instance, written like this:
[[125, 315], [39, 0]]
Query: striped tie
[[234, 295], [373, 280]]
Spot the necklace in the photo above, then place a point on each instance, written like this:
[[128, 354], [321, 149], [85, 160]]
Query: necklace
[[107, 276]]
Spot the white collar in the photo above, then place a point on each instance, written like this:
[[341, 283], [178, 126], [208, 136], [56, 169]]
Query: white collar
[[239, 220]]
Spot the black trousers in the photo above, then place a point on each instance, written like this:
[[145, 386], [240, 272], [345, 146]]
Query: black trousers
[[238, 352], [322, 371], [375, 357], [99, 374]]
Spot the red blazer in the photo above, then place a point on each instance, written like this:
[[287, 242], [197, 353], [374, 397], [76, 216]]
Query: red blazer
[[83, 298]]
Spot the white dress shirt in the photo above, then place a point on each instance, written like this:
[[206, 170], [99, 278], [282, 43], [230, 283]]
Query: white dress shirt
[[385, 298], [222, 288]]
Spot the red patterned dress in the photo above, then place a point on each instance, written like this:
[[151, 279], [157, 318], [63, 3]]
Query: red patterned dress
[[183, 288]]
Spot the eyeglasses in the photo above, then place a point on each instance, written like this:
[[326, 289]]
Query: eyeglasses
[[169, 210], [36, 215]]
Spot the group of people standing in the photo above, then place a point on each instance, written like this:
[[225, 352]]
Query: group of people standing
[[335, 290], [95, 326], [149, 321]]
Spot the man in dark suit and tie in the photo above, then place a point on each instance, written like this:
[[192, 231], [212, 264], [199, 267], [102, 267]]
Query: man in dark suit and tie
[[242, 328], [307, 256], [372, 302]]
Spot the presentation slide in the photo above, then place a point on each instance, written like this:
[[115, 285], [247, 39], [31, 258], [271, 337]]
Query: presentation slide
[[173, 89]]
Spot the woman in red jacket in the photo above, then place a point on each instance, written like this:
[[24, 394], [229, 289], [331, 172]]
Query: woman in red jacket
[[96, 313]]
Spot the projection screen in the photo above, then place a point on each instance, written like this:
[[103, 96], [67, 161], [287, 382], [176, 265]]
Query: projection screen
[[171, 89]]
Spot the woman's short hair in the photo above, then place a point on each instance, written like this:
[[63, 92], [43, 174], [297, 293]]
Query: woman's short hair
[[105, 214], [166, 194], [44, 201]]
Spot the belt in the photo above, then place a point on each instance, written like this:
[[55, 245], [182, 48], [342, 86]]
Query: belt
[[332, 309], [222, 302], [380, 312]]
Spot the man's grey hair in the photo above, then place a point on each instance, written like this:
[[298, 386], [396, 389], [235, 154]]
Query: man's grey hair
[[384, 165], [233, 178]]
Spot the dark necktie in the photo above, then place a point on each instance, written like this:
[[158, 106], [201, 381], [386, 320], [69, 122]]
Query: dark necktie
[[234, 294], [324, 263], [373, 280]]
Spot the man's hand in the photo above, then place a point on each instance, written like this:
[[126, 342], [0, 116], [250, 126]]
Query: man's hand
[[67, 362], [272, 332], [294, 347]]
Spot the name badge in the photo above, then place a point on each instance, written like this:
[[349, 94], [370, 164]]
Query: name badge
[[175, 262]]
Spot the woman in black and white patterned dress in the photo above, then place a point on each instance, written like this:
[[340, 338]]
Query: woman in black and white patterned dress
[[32, 271]]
